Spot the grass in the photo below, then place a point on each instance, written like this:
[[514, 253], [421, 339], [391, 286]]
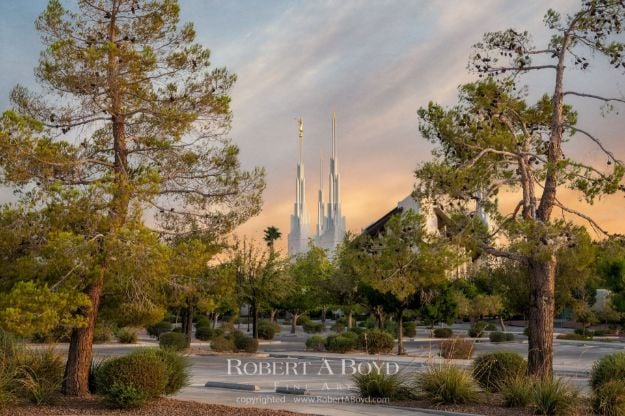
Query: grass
[[448, 384], [381, 385], [554, 397]]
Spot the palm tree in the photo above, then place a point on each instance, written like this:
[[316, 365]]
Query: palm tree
[[272, 234]]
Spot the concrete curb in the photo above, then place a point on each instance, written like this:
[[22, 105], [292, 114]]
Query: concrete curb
[[232, 386], [428, 411], [609, 344], [292, 390]]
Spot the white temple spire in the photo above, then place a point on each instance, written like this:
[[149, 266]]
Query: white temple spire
[[320, 208], [333, 224], [298, 237]]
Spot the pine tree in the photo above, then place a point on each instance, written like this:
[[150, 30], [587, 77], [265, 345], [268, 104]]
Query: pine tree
[[133, 115]]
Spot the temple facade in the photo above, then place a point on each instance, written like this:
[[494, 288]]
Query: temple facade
[[331, 223]]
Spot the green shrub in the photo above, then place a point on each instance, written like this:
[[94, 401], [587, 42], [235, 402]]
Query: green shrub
[[130, 380], [574, 337], [339, 343], [491, 370], [160, 328], [266, 329], [516, 391], [410, 329], [601, 333], [584, 331], [390, 327], [173, 340], [356, 330], [609, 398], [353, 336], [176, 365], [497, 336], [125, 396], [374, 384], [457, 349], [490, 327], [246, 344], [204, 333], [312, 327], [127, 336], [222, 344], [102, 333], [447, 384], [370, 323], [608, 368], [202, 320], [477, 329], [376, 342], [316, 343], [443, 333], [553, 397], [40, 376]]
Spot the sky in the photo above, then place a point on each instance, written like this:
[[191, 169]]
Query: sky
[[374, 63]]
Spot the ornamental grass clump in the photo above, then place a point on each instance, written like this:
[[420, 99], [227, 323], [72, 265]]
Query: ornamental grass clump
[[447, 384], [382, 385], [609, 398], [517, 391], [553, 396]]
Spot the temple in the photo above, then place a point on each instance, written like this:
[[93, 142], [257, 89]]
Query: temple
[[330, 228]]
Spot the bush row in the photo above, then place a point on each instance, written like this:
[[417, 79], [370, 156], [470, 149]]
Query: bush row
[[374, 342], [504, 373]]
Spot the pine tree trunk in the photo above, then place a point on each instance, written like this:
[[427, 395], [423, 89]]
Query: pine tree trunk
[[76, 377], [274, 313], [541, 316]]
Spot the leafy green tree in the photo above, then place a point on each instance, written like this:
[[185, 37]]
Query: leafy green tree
[[342, 287], [493, 140], [259, 275], [305, 281], [443, 307], [195, 286], [404, 261], [611, 268], [133, 116]]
